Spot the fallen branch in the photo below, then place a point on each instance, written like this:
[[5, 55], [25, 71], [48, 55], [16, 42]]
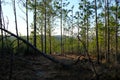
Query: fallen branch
[[89, 57], [38, 51]]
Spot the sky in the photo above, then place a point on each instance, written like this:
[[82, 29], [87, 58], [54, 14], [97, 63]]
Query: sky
[[9, 17]]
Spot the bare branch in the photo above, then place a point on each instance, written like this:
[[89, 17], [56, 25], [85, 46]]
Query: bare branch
[[88, 57]]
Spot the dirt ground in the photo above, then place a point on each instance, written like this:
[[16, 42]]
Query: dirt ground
[[40, 68]]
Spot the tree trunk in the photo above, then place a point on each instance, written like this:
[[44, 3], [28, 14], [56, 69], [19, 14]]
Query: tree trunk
[[27, 23], [105, 30], [14, 8], [45, 25], [72, 29], [116, 35], [35, 24], [11, 66], [108, 36], [87, 37], [78, 33], [1, 30], [78, 45], [49, 35], [61, 30], [97, 43], [42, 38]]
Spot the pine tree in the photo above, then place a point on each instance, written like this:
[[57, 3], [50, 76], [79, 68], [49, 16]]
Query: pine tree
[[97, 43]]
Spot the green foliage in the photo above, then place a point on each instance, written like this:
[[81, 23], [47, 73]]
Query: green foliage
[[10, 46]]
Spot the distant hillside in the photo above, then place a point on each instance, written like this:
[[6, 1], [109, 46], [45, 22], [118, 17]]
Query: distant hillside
[[57, 37]]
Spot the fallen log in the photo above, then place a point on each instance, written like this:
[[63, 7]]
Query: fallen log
[[51, 58]]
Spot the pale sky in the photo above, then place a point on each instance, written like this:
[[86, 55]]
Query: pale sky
[[8, 12]]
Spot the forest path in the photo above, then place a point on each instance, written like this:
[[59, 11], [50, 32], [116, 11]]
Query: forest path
[[47, 70], [40, 68]]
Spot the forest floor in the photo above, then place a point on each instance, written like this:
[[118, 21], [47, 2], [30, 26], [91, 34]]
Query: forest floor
[[40, 68]]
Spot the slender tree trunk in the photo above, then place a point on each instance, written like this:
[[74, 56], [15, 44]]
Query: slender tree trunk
[[35, 24], [69, 41], [14, 8], [49, 35], [11, 66], [105, 30], [84, 35], [97, 43], [78, 45], [42, 38], [27, 23], [1, 30], [108, 29], [61, 30], [50, 43], [65, 49], [0, 15], [87, 41], [78, 33], [72, 30], [45, 25], [87, 37], [87, 25], [64, 37], [116, 31]]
